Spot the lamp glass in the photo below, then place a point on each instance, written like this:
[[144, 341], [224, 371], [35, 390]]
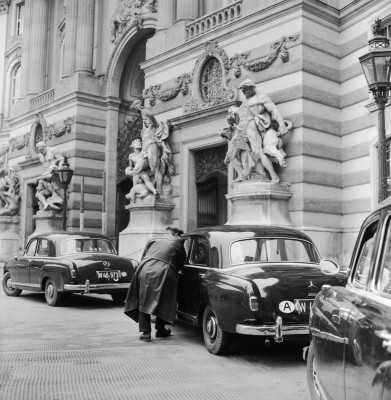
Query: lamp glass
[[368, 69], [382, 68]]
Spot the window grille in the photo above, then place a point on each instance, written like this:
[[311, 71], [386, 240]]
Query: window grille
[[211, 81]]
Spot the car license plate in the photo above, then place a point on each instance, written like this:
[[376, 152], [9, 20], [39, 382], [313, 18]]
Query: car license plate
[[303, 306], [114, 275]]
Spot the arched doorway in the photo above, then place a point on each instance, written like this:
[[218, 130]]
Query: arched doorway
[[211, 186]]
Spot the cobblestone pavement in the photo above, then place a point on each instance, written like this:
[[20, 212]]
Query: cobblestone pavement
[[87, 349]]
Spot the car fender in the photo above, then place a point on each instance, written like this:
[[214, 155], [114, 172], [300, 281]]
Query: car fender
[[229, 298], [59, 273]]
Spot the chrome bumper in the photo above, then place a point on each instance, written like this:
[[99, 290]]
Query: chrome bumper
[[278, 330], [87, 287]]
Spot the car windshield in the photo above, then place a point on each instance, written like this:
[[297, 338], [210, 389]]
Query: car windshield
[[273, 250], [87, 245]]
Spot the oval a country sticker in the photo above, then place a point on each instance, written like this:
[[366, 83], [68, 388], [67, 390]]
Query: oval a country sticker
[[286, 306]]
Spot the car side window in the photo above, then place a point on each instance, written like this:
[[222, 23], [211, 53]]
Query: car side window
[[30, 250], [43, 248], [362, 270], [200, 253], [383, 281]]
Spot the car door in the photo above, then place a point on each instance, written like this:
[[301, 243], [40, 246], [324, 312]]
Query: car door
[[23, 263], [191, 276], [38, 261], [370, 325]]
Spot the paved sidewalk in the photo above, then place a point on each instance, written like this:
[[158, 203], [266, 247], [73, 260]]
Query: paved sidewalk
[[89, 350]]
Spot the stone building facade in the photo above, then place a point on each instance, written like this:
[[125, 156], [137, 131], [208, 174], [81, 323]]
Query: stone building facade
[[72, 69]]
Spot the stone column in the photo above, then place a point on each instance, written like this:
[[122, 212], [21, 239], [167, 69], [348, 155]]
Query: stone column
[[85, 36], [25, 76], [38, 46], [70, 38], [186, 10], [165, 14]]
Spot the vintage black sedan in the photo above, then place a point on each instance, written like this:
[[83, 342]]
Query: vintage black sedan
[[350, 353], [69, 262], [250, 280]]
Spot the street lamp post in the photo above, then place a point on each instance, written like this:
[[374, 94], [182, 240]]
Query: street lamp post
[[376, 65], [65, 174]]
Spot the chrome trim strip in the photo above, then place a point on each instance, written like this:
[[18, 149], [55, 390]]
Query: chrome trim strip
[[36, 285], [270, 330], [92, 287]]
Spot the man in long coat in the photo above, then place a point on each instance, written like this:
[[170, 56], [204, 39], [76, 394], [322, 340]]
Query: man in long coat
[[153, 290]]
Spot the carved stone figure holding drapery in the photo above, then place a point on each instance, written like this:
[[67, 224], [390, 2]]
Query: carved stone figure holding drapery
[[9, 191], [48, 183]]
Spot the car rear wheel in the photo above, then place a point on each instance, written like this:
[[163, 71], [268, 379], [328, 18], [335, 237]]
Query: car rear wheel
[[9, 290], [118, 298], [52, 295], [216, 340], [312, 376]]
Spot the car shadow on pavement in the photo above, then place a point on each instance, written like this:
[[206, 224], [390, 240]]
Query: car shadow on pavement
[[77, 300]]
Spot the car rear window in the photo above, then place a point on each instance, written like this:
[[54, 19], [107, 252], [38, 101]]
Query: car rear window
[[87, 245], [273, 250]]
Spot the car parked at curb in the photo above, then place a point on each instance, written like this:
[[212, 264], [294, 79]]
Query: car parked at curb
[[349, 357], [69, 262], [250, 280]]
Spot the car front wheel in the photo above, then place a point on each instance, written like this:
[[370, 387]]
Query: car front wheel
[[52, 295], [9, 290], [312, 375], [216, 340]]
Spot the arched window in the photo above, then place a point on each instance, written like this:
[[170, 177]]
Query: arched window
[[211, 81], [15, 84]]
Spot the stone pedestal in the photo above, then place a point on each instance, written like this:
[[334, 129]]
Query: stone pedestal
[[9, 237], [148, 218], [47, 221], [259, 203]]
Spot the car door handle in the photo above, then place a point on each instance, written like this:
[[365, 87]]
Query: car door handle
[[201, 275]]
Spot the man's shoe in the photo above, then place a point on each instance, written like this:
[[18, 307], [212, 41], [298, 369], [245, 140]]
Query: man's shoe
[[163, 333], [145, 337]]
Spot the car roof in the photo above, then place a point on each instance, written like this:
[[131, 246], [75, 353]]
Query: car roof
[[261, 230], [74, 234]]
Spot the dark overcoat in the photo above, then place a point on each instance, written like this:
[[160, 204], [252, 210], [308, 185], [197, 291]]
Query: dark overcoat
[[153, 289]]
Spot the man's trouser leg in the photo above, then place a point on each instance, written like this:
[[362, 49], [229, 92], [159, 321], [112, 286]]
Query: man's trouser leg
[[160, 324], [144, 322]]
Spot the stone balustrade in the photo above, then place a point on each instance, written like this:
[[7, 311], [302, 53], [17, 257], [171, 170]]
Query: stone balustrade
[[214, 20], [42, 98]]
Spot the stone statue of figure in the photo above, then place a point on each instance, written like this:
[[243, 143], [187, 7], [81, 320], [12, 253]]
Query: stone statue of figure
[[264, 127], [48, 183], [9, 191], [239, 150], [156, 149], [138, 169]]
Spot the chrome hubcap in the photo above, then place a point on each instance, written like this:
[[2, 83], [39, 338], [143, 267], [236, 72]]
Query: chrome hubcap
[[50, 291], [8, 284], [211, 327]]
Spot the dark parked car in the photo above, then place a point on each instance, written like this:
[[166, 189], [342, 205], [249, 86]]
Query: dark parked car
[[350, 326], [69, 262], [250, 280]]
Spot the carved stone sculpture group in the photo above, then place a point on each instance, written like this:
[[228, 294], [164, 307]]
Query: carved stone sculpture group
[[255, 131], [150, 163]]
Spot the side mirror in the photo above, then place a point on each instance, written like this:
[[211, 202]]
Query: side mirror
[[329, 267]]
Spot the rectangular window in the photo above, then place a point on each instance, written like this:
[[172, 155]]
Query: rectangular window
[[19, 18]]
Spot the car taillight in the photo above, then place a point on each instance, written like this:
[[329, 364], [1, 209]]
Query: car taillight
[[254, 306]]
